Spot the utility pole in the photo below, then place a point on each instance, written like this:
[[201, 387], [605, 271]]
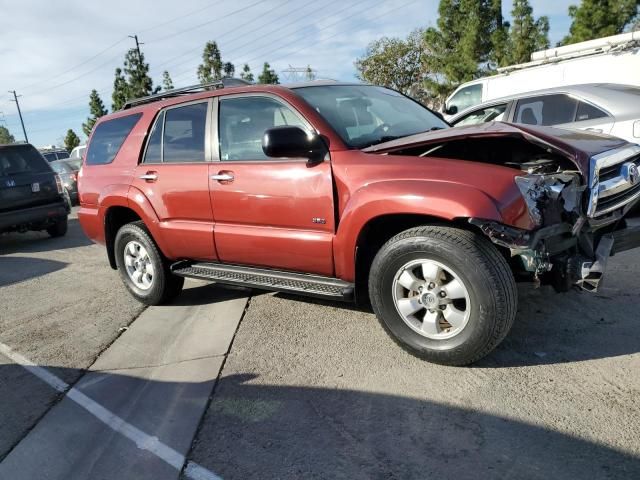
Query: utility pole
[[15, 99], [135, 37]]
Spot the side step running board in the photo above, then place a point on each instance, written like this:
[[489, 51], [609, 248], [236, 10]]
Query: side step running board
[[300, 283]]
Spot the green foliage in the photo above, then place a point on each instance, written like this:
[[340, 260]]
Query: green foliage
[[210, 69], [5, 136], [71, 140], [137, 73], [120, 91], [246, 74], [394, 63], [459, 47], [167, 83], [96, 110], [229, 69], [268, 75], [600, 18], [526, 35]]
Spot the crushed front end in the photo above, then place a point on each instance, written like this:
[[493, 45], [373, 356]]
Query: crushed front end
[[579, 219]]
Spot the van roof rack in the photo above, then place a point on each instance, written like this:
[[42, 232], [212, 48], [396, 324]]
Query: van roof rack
[[176, 92]]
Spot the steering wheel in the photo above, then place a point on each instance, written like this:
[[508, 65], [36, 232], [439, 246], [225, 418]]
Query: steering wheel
[[381, 130]]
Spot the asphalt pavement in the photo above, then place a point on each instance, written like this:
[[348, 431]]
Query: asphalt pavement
[[307, 389]]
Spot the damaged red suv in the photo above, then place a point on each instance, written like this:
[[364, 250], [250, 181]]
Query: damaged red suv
[[355, 192]]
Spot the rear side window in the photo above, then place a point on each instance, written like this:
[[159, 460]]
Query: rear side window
[[22, 159], [546, 110], [108, 138], [586, 111], [184, 133], [488, 114]]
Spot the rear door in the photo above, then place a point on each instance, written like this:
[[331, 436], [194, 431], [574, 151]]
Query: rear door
[[269, 212], [173, 176], [26, 179]]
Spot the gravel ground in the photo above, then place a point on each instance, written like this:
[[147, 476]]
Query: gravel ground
[[315, 390]]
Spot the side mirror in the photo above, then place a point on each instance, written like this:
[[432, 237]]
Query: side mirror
[[293, 142], [451, 110]]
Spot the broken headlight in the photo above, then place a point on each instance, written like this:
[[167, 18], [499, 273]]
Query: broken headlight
[[550, 197]]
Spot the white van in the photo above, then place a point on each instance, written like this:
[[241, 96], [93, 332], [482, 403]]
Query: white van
[[614, 59]]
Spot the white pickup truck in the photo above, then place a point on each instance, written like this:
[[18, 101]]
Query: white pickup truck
[[614, 59]]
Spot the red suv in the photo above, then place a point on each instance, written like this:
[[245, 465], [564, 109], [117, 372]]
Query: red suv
[[355, 192]]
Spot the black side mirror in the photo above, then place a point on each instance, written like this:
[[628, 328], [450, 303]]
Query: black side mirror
[[293, 142], [451, 110]]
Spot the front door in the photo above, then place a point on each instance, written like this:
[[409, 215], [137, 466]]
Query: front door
[[174, 178], [269, 212]]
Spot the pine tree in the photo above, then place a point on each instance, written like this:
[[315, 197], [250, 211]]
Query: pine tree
[[96, 109], [527, 35], [268, 75], [210, 69], [460, 46], [137, 73], [600, 18], [5, 136], [229, 70], [499, 37], [246, 74], [167, 83], [120, 91], [71, 140]]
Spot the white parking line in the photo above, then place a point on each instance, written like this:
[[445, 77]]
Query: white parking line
[[142, 440]]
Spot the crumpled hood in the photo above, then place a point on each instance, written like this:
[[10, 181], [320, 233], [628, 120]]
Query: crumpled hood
[[577, 145]]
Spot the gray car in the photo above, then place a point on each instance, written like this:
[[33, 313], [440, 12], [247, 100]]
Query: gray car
[[608, 108]]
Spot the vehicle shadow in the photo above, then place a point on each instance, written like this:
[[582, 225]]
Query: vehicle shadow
[[252, 430], [18, 269], [203, 293], [553, 328], [34, 242]]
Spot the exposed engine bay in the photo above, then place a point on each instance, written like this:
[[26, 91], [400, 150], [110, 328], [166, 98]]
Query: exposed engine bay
[[569, 245]]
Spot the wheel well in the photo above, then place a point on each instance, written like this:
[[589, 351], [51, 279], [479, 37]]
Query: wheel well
[[115, 218], [381, 229]]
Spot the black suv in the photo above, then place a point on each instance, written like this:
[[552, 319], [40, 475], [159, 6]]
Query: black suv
[[31, 194]]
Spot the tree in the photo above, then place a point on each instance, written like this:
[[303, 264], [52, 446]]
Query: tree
[[246, 74], [5, 136], [210, 69], [458, 49], [71, 140], [394, 63], [229, 70], [136, 70], [120, 91], [167, 84], [268, 75], [527, 35], [600, 18], [498, 56], [96, 109]]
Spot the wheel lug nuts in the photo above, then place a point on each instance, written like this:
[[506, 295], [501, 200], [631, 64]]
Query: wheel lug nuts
[[431, 286], [442, 307], [442, 294]]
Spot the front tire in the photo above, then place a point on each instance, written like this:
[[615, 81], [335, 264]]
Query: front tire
[[444, 294], [142, 267]]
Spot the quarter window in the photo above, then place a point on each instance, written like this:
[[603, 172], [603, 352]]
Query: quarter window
[[586, 111], [184, 133], [108, 137], [488, 114], [154, 147], [243, 122]]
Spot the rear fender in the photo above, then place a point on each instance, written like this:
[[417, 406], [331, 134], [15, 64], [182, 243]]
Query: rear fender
[[443, 200]]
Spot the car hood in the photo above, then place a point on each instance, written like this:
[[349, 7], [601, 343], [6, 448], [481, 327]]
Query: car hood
[[577, 145]]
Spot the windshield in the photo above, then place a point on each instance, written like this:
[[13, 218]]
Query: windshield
[[15, 160], [60, 166], [364, 115]]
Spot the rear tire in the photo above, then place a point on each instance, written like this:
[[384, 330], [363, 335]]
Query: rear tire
[[58, 229], [142, 267], [443, 294]]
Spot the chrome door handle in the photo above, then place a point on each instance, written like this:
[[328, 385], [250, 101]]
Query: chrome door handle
[[223, 177], [148, 176]]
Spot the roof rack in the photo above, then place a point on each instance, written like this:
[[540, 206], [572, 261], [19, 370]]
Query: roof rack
[[176, 92]]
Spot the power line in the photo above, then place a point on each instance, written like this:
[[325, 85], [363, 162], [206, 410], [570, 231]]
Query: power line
[[15, 99], [175, 19]]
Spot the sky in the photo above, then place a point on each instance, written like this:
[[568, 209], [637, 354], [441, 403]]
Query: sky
[[54, 53]]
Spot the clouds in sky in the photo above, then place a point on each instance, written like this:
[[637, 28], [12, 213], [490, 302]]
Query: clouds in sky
[[54, 53]]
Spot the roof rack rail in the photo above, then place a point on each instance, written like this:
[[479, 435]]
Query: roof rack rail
[[225, 82]]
